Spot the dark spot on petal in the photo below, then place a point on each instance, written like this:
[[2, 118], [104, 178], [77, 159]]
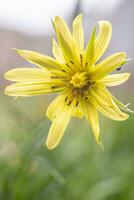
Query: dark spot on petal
[[67, 65], [54, 87], [54, 77], [63, 70], [69, 102], [86, 64], [66, 98], [77, 103], [71, 62], [119, 68]]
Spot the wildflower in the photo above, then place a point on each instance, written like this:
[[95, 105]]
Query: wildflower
[[76, 75]]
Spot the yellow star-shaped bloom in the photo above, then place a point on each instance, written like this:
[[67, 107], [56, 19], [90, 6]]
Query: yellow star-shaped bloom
[[76, 75]]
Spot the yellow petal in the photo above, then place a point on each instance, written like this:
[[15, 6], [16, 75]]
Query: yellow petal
[[122, 106], [103, 102], [78, 36], [106, 66], [31, 89], [55, 107], [91, 115], [57, 52], [64, 37], [89, 52], [28, 75], [78, 111], [39, 59], [58, 127], [115, 79], [103, 39]]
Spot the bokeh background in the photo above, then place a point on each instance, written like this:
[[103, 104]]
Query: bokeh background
[[77, 169]]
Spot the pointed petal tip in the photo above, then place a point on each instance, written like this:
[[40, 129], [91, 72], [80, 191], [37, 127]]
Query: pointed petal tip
[[77, 20], [19, 51], [131, 111], [128, 109], [78, 17], [51, 19], [125, 117], [53, 24], [99, 141], [128, 76], [15, 49], [50, 146], [129, 59], [102, 146], [53, 40]]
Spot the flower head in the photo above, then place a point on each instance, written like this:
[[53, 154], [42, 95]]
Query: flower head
[[76, 75]]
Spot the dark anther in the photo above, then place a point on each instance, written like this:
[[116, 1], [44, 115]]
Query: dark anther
[[71, 62], [77, 103], [53, 87], [66, 98], [80, 56], [54, 77], [86, 98], [63, 70], [86, 64], [93, 83], [119, 68], [81, 60], [67, 65], [69, 102]]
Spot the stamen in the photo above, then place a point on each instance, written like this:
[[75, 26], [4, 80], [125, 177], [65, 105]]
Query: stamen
[[86, 64], [81, 60], [66, 98], [63, 70], [54, 76], [67, 65], [71, 62], [88, 82], [77, 103], [93, 83], [69, 102], [54, 87]]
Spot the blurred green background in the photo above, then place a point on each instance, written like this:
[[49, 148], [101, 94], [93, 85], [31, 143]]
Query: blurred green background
[[78, 169]]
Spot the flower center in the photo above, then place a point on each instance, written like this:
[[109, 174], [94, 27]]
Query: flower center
[[79, 79]]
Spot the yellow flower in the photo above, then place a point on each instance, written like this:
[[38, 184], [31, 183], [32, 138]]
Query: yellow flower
[[76, 74]]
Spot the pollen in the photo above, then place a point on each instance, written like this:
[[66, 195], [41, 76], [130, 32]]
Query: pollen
[[79, 79]]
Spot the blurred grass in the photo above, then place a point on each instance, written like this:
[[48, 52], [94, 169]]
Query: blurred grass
[[77, 169]]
